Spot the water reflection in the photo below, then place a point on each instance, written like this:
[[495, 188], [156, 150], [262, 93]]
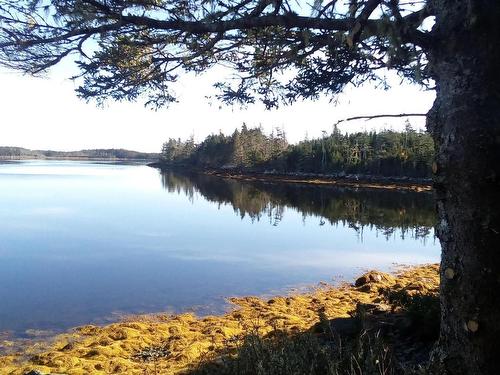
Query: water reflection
[[81, 242], [410, 213]]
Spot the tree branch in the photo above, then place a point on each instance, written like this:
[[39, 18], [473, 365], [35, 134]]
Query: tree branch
[[361, 21], [368, 118]]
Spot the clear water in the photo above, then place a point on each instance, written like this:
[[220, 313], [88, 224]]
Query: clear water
[[84, 242]]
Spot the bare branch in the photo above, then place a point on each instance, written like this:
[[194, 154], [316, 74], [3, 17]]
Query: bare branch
[[368, 118]]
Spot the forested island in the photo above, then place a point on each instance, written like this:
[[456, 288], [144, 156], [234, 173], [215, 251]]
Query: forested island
[[19, 153], [383, 155]]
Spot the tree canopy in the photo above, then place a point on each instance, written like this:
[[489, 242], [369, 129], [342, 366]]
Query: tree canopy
[[385, 153], [281, 50]]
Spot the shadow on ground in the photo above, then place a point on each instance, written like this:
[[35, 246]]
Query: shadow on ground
[[392, 337]]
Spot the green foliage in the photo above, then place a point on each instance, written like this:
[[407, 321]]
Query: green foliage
[[135, 49], [245, 148], [177, 151], [386, 153]]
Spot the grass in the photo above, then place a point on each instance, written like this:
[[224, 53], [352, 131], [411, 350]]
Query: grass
[[305, 353]]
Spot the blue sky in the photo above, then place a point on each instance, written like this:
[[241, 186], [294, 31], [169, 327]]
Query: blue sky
[[44, 113]]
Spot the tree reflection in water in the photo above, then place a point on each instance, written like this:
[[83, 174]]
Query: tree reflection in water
[[384, 210]]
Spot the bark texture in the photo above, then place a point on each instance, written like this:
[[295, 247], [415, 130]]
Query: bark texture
[[465, 123]]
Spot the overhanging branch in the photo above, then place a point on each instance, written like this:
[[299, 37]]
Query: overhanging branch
[[368, 118]]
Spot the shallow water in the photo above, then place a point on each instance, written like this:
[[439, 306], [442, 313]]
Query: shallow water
[[84, 242]]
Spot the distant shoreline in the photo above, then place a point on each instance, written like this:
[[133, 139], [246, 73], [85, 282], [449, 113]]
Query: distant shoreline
[[352, 181], [341, 180], [74, 158], [19, 153]]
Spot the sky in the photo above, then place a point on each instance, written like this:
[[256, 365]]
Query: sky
[[44, 113]]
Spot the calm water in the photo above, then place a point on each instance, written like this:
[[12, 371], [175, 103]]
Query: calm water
[[84, 242]]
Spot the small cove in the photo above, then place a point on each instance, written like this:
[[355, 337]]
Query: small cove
[[86, 242]]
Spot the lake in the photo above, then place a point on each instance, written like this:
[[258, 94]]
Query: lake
[[87, 242]]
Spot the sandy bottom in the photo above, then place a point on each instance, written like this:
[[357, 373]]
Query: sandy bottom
[[181, 341]]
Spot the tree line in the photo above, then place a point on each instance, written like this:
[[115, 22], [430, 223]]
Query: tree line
[[24, 153], [385, 153]]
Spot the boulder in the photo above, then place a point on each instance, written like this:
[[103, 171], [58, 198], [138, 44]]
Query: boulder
[[374, 277]]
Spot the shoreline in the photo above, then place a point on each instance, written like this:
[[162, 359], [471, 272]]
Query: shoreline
[[73, 158], [340, 180], [173, 344], [325, 181]]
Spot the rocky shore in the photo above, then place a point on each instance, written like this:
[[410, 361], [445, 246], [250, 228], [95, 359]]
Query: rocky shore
[[171, 344], [335, 179]]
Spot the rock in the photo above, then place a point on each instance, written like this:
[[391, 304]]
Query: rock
[[367, 288], [373, 277], [415, 286], [381, 308], [152, 353], [118, 334], [91, 353], [375, 308], [68, 346]]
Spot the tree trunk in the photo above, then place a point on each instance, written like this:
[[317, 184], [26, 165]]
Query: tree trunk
[[465, 123]]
